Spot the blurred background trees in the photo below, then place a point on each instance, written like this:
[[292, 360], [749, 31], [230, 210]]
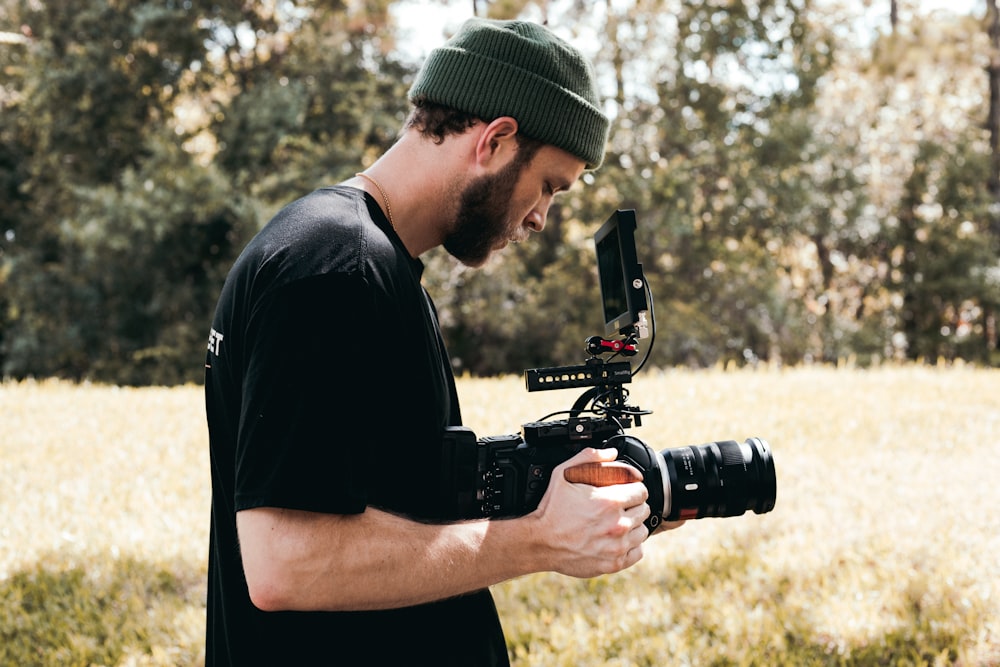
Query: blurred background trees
[[811, 186]]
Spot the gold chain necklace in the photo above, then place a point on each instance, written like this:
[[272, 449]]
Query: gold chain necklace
[[385, 197]]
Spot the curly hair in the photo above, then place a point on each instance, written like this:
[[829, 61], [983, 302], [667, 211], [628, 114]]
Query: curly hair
[[437, 122]]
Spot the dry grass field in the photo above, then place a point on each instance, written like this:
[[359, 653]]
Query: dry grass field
[[883, 547]]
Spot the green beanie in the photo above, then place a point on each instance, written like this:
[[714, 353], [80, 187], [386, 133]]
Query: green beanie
[[519, 69]]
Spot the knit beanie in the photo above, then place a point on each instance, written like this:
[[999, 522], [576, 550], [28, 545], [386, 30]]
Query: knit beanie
[[519, 69]]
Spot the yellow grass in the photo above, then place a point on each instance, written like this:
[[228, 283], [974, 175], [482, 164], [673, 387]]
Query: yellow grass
[[883, 548]]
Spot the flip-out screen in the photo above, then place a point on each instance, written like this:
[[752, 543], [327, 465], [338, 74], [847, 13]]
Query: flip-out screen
[[623, 290]]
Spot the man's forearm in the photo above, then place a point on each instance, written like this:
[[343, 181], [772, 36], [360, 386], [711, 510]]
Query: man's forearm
[[306, 561]]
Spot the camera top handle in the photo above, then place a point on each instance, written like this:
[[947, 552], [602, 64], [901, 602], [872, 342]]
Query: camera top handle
[[604, 379]]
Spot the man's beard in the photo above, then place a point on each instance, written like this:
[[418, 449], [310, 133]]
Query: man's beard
[[483, 218]]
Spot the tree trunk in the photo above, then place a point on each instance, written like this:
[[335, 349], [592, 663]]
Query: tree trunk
[[993, 125], [993, 117]]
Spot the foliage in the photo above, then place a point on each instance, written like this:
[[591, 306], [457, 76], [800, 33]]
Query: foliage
[[801, 197], [168, 222], [141, 146], [104, 546]]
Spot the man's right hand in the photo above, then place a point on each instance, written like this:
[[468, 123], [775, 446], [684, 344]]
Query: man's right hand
[[585, 531]]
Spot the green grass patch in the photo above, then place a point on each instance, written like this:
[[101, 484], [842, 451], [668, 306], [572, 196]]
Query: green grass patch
[[102, 611]]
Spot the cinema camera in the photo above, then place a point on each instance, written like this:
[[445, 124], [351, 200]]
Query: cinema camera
[[506, 475]]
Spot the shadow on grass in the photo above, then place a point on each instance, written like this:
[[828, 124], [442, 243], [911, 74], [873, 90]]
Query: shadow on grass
[[926, 633], [730, 609], [102, 611]]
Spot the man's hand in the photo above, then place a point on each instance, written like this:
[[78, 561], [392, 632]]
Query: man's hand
[[586, 530]]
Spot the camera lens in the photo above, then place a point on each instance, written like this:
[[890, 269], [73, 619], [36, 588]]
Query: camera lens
[[719, 479]]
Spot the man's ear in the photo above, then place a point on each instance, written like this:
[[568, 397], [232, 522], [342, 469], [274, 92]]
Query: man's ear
[[497, 141]]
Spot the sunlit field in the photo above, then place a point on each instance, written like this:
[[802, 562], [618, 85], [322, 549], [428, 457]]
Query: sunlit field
[[883, 547]]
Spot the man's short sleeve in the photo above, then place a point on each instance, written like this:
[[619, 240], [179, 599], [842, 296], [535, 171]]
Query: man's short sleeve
[[296, 447]]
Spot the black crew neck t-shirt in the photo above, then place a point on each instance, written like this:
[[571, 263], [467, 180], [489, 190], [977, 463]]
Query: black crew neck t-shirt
[[327, 388]]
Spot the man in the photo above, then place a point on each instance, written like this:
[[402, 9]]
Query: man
[[328, 386]]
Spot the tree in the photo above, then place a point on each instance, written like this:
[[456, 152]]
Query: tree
[[84, 91], [933, 256], [143, 143], [800, 195], [307, 96], [693, 150]]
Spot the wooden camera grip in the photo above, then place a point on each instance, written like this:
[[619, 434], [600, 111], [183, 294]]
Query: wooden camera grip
[[603, 474]]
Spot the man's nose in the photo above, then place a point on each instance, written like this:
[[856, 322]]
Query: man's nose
[[536, 219]]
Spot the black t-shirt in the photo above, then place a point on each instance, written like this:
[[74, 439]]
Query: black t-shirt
[[327, 389]]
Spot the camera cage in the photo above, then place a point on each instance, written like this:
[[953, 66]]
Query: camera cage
[[506, 475], [625, 301]]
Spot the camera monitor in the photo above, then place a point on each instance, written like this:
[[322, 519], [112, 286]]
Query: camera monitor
[[623, 286]]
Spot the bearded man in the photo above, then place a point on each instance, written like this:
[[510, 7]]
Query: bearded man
[[328, 386]]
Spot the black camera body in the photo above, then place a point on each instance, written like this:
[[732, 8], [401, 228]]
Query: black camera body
[[507, 475]]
